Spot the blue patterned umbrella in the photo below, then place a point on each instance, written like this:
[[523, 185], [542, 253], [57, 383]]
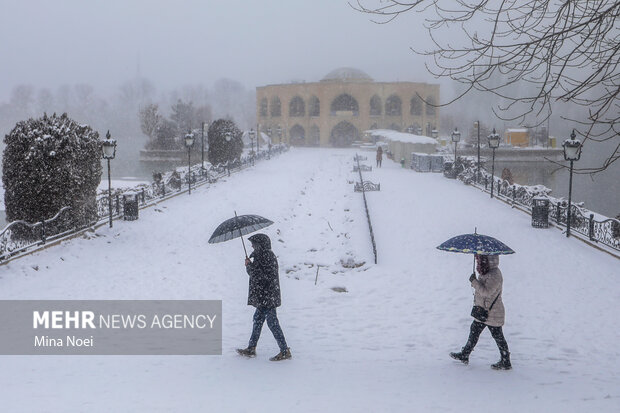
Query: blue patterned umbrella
[[476, 244]]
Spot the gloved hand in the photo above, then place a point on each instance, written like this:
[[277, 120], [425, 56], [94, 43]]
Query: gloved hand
[[472, 277]]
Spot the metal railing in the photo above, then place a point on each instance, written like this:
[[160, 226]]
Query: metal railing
[[595, 227], [20, 236], [363, 190]]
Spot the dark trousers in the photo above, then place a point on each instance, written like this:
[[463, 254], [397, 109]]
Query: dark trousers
[[474, 333], [274, 325], [378, 163]]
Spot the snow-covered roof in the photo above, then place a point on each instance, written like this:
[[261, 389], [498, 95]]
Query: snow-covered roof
[[346, 74], [393, 135], [522, 130]]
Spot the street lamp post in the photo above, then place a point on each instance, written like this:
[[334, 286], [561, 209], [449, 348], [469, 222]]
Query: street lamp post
[[202, 149], [228, 138], [189, 142], [478, 163], [456, 137], [252, 135], [493, 144], [434, 134], [572, 153], [109, 152]]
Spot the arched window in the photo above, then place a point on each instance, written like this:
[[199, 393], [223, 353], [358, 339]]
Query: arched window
[[298, 135], [297, 107], [393, 106], [314, 107], [375, 106], [263, 107], [345, 103], [416, 106], [430, 109], [276, 107]]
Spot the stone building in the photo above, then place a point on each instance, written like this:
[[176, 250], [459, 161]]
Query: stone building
[[345, 103]]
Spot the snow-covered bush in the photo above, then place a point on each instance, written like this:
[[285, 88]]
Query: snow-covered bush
[[49, 163], [221, 150]]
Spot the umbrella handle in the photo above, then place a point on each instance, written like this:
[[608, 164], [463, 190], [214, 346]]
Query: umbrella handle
[[241, 235]]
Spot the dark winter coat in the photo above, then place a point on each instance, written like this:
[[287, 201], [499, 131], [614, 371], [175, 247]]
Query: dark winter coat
[[487, 287], [263, 271]]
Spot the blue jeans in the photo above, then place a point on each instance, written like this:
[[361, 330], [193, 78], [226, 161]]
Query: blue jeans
[[274, 325]]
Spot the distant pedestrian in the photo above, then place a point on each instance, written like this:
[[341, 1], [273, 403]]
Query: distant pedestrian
[[488, 294], [264, 294], [379, 156]]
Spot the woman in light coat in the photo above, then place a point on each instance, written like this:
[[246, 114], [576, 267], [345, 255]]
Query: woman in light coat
[[488, 294]]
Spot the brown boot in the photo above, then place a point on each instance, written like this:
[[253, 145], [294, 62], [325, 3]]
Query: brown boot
[[247, 352], [283, 355]]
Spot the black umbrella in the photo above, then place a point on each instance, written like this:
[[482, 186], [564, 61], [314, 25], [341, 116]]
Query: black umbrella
[[238, 226]]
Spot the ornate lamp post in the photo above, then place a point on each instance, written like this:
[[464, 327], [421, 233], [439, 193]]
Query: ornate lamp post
[[478, 162], [572, 153], [456, 137], [189, 142], [493, 139], [202, 149], [109, 152], [434, 134], [410, 129], [252, 136]]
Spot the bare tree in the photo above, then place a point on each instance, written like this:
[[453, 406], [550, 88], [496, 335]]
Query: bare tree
[[557, 50]]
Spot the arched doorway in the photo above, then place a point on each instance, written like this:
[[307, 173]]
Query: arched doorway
[[344, 134], [314, 136], [298, 136]]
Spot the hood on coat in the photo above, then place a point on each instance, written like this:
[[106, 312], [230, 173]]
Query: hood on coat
[[493, 261], [486, 263], [260, 241]]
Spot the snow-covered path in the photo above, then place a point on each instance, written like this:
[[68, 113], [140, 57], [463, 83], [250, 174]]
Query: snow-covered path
[[382, 346]]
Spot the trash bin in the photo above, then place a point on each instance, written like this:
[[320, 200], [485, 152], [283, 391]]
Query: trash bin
[[130, 206], [448, 170], [540, 212]]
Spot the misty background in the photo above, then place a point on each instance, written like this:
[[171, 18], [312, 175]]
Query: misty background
[[101, 61]]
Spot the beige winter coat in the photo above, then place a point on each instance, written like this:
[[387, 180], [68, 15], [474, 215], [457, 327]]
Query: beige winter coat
[[487, 287]]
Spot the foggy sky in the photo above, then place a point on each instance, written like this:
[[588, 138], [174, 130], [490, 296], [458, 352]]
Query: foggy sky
[[173, 43]]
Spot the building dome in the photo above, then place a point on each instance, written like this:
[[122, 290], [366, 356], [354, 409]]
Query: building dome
[[347, 74]]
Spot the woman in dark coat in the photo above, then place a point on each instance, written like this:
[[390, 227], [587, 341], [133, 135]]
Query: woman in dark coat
[[488, 294], [264, 294]]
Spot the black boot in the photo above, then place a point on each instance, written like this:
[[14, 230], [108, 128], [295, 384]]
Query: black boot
[[247, 352], [504, 362], [463, 355]]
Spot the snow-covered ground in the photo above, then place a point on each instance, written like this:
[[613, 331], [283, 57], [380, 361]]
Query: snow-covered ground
[[382, 346]]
